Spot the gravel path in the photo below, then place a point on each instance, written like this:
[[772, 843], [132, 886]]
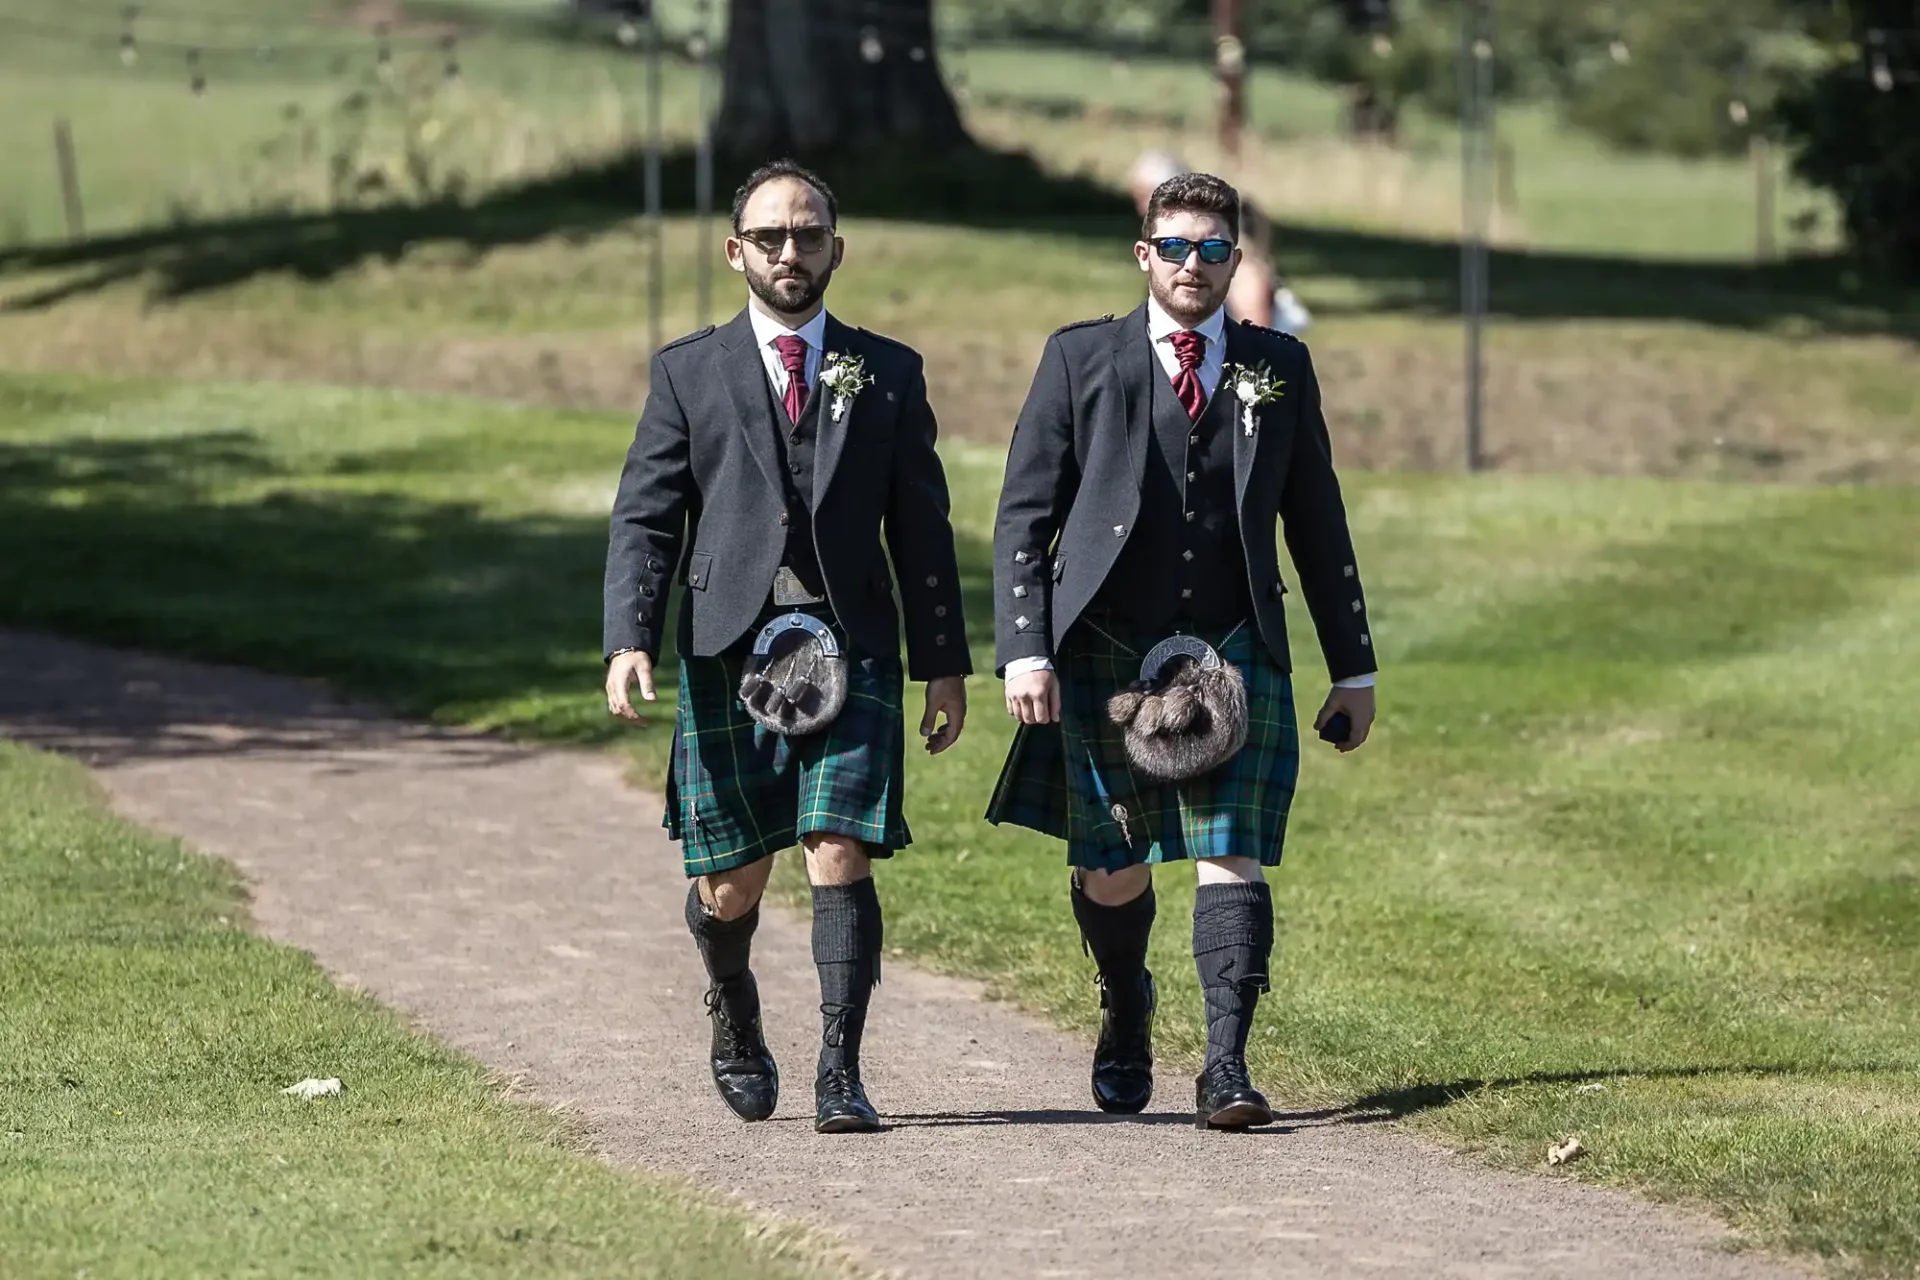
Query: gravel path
[[524, 905]]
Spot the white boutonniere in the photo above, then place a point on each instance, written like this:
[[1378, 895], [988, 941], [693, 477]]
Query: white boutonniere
[[1251, 386], [845, 376]]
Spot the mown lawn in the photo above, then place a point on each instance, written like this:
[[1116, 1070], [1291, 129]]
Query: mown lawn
[[1640, 812], [145, 1035]]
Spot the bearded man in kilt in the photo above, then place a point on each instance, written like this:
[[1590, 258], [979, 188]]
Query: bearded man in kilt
[[771, 455], [1154, 459]]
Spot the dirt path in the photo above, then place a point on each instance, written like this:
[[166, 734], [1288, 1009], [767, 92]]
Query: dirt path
[[523, 905]]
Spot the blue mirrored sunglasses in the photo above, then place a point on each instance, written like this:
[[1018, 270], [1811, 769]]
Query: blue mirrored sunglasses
[[1176, 249]]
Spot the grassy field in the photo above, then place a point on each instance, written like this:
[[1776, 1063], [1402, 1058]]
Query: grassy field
[[533, 96], [1594, 365], [1639, 814], [1640, 811], [146, 1036]]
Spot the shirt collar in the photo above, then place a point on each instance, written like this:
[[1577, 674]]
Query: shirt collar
[[1160, 324], [766, 328]]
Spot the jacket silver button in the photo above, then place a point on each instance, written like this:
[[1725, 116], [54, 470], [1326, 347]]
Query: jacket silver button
[[940, 639], [1021, 557], [1119, 531], [1021, 623], [932, 581], [1019, 593], [939, 611]]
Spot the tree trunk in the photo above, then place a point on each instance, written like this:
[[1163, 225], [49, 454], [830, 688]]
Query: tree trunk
[[811, 76]]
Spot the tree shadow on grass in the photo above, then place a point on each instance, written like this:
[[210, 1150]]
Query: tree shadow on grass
[[1411, 1100], [207, 546], [972, 188]]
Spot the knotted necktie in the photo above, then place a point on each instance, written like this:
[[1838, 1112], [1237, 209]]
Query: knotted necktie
[[1189, 347], [793, 353]]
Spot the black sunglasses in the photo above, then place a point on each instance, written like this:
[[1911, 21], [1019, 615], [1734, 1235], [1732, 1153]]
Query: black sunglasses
[[1176, 249], [774, 239]]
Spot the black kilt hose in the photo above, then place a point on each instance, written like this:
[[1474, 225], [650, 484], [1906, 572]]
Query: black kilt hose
[[1072, 780], [738, 792]]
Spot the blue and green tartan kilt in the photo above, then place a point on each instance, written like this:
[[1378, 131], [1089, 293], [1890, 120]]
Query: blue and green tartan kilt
[[1072, 780], [737, 792]]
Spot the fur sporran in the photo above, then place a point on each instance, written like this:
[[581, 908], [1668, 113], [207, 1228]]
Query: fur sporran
[[795, 681], [1185, 716]]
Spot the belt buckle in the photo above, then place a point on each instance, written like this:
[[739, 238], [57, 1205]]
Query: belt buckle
[[788, 590]]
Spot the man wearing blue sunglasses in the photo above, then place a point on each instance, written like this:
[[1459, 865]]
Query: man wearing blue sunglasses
[[1142, 636]]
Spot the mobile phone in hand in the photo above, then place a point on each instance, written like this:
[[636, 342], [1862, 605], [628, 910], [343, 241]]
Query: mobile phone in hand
[[1337, 728]]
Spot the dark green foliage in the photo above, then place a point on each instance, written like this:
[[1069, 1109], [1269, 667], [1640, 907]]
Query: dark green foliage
[[1858, 130]]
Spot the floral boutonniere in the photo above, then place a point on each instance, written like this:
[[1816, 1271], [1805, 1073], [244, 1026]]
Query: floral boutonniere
[[846, 376], [1251, 386]]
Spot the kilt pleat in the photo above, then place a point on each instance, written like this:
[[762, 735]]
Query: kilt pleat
[[1073, 781]]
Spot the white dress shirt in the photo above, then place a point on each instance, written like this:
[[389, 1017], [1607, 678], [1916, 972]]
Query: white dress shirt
[[1160, 330], [813, 333]]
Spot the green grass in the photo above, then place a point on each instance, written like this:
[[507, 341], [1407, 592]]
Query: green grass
[[531, 99], [1639, 812], [145, 1036]]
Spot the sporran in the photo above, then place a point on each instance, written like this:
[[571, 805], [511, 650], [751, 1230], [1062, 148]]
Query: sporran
[[795, 681], [1187, 713]]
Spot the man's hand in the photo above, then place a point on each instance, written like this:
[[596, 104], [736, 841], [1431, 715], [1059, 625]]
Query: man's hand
[[621, 673], [1358, 704], [1034, 697], [948, 694]]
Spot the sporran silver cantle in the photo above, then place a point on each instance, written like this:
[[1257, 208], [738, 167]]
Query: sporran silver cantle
[[795, 681]]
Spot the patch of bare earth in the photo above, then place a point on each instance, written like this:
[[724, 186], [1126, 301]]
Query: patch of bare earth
[[1613, 399]]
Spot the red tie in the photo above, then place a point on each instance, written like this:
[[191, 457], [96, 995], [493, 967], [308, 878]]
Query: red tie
[[793, 353], [1189, 347]]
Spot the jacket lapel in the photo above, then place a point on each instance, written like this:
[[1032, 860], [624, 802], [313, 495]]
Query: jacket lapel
[[1133, 361], [745, 376], [1245, 447], [832, 437]]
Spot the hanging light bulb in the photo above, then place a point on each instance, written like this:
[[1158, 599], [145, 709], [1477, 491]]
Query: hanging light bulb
[[870, 47]]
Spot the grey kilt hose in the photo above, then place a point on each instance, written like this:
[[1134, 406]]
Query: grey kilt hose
[[737, 792], [1072, 780]]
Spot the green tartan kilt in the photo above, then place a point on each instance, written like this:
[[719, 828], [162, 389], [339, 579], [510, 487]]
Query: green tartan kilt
[[1072, 780], [738, 792]]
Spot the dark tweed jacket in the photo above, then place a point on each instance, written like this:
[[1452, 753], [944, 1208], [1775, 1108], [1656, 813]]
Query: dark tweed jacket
[[1073, 484], [700, 492]]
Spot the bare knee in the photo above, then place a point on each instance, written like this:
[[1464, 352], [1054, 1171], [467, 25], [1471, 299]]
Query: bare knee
[[836, 859], [732, 894], [1116, 888], [1229, 871]]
